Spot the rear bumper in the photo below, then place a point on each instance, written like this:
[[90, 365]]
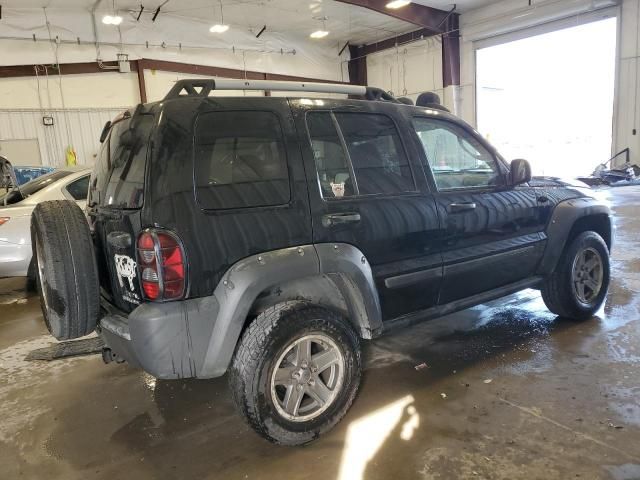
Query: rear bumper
[[167, 340], [14, 259]]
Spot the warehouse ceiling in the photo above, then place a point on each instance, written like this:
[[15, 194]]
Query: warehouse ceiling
[[293, 18], [181, 28]]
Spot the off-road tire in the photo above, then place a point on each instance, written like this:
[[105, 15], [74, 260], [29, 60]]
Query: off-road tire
[[67, 274], [558, 292], [264, 340]]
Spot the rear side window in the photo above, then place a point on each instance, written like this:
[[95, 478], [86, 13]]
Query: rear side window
[[374, 161], [118, 178], [334, 170], [78, 188], [240, 160]]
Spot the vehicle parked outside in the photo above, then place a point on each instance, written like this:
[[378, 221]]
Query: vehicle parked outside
[[16, 206], [267, 237]]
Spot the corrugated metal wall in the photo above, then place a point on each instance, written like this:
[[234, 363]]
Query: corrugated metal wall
[[79, 128], [409, 70]]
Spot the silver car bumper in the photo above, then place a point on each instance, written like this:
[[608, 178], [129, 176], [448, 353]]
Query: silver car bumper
[[14, 259]]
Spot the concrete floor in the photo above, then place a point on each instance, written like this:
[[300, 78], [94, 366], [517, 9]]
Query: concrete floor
[[508, 391]]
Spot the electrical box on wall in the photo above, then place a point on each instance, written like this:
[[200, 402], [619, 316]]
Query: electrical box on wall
[[123, 63], [46, 120]]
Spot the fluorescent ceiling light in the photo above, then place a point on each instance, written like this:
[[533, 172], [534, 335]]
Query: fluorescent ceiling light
[[217, 28], [112, 20], [394, 4], [319, 34]]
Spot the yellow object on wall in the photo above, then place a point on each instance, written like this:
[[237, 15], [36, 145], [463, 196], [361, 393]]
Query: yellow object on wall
[[71, 156]]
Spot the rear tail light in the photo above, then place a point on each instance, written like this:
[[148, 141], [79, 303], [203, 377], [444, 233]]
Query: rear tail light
[[161, 264], [4, 220]]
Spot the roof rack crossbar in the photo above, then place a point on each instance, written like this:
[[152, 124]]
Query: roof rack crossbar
[[202, 88]]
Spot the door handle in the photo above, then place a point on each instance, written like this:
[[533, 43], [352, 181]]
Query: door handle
[[461, 207], [340, 218]]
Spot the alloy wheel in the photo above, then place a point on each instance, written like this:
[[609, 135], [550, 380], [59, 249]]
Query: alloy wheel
[[587, 275], [307, 377]]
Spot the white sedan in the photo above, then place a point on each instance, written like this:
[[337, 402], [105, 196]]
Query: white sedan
[[69, 183]]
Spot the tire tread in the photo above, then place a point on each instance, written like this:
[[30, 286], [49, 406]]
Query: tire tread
[[557, 292], [72, 270]]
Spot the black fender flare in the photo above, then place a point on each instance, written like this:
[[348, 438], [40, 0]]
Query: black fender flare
[[247, 278], [563, 218]]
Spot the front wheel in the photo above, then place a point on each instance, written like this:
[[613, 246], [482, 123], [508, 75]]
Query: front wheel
[[296, 372], [578, 286]]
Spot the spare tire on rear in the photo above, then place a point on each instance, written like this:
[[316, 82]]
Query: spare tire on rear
[[66, 270]]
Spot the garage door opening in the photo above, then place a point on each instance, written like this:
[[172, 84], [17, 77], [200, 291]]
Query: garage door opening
[[549, 98]]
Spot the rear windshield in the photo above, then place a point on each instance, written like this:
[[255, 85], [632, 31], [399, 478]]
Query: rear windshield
[[29, 188], [118, 178]]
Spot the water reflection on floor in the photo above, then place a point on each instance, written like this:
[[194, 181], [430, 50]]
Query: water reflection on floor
[[504, 390]]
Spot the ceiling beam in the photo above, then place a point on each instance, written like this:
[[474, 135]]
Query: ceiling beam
[[428, 18], [10, 71], [63, 69]]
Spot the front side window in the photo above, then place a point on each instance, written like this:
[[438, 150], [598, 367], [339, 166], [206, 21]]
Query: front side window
[[240, 160], [374, 161], [456, 158]]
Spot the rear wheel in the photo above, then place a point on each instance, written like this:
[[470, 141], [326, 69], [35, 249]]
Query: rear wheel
[[578, 286], [65, 269], [296, 372]]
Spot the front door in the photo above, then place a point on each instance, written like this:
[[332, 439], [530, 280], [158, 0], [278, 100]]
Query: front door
[[492, 232], [365, 192]]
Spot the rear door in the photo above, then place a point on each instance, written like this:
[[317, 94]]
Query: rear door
[[492, 232], [115, 200], [364, 192]]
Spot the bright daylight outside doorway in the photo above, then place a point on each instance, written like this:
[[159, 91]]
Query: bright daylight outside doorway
[[549, 98]]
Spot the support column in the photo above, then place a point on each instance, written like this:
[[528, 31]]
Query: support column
[[141, 85], [451, 52], [357, 66]]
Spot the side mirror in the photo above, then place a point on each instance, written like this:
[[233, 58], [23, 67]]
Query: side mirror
[[520, 172]]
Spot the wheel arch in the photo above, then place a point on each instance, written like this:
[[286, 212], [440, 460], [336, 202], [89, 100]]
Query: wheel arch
[[598, 222], [569, 219], [336, 276]]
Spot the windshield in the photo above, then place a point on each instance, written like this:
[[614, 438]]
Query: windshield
[[118, 178], [14, 196]]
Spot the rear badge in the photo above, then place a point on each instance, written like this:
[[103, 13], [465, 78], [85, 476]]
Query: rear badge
[[126, 270]]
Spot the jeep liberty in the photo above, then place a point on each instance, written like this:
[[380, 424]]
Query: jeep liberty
[[267, 237]]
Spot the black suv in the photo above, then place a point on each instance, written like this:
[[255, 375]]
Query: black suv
[[265, 237]]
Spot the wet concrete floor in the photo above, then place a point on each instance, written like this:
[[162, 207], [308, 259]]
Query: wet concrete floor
[[505, 390]]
